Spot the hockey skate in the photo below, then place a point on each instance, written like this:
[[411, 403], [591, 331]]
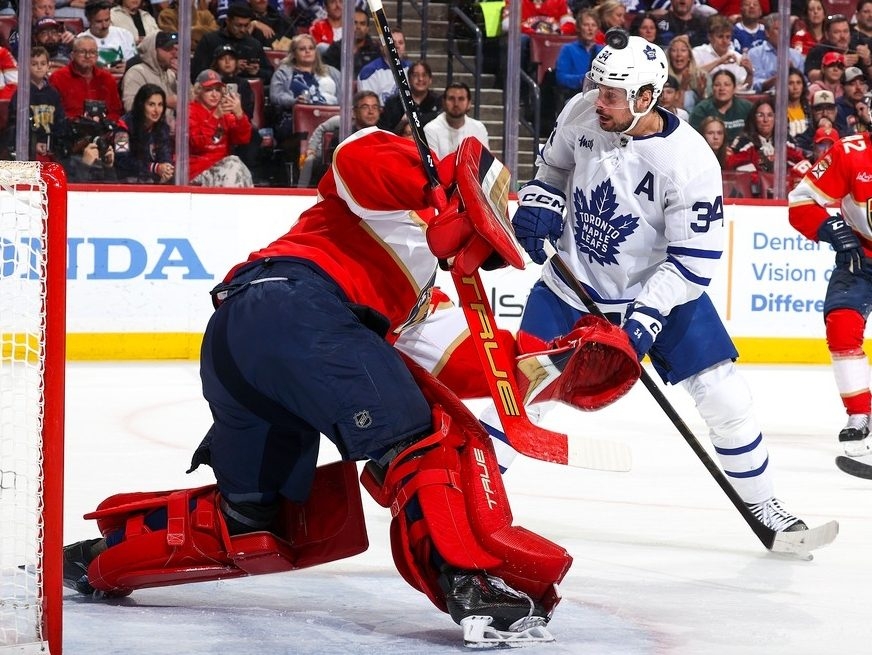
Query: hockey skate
[[77, 557], [491, 613], [771, 514], [854, 437]]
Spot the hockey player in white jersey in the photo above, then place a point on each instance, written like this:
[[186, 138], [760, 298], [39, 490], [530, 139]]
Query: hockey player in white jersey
[[631, 197]]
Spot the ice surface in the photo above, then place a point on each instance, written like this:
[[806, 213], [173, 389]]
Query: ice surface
[[663, 562]]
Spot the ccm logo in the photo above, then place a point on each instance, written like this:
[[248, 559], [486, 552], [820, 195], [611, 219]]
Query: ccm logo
[[484, 476], [543, 200]]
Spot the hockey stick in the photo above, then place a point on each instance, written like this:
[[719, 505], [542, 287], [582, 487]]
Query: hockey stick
[[799, 542], [853, 467], [497, 366]]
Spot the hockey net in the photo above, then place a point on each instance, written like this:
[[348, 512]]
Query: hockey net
[[32, 333]]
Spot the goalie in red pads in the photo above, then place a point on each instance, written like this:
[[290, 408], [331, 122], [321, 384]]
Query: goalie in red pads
[[301, 344]]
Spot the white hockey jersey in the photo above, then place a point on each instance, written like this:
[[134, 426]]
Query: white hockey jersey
[[644, 216]]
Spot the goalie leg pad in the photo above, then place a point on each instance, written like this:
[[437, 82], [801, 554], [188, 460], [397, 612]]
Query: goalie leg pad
[[591, 367], [195, 544], [464, 511]]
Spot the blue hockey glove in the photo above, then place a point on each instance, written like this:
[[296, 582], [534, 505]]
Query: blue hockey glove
[[849, 252], [539, 217], [642, 326]]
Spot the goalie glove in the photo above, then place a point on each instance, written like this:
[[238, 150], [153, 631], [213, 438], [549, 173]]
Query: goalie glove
[[642, 326], [849, 252], [539, 216]]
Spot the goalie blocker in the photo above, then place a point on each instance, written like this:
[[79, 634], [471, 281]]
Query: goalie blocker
[[452, 534]]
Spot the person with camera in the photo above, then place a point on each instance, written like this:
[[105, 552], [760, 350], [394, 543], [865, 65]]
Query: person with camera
[[143, 145], [82, 80], [217, 123]]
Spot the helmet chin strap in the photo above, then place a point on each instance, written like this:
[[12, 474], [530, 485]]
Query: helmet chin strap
[[637, 116]]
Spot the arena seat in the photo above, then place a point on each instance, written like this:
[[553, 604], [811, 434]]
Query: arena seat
[[544, 49]]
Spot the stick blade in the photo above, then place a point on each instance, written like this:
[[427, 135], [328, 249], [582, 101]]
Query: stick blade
[[802, 542], [853, 467]]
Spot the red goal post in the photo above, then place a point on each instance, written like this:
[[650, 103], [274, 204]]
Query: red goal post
[[33, 258]]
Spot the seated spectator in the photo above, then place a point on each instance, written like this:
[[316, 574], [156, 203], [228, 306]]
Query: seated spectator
[[328, 29], [852, 111], [808, 30], [764, 57], [365, 48], [82, 80], [668, 99], [574, 59], [129, 15], [718, 53], [114, 44], [798, 106], [47, 123], [753, 150], [748, 31], [609, 14], [365, 113], [252, 60], [547, 16], [832, 69], [144, 147], [8, 74], [217, 123], [837, 38], [270, 26], [732, 9], [823, 115], [302, 77], [680, 20], [714, 132], [50, 34], [159, 61], [404, 129], [40, 9], [692, 82], [424, 101], [645, 25], [724, 104], [376, 76], [445, 132], [202, 20]]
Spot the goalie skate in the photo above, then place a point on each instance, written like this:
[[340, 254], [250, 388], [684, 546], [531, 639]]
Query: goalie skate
[[479, 633]]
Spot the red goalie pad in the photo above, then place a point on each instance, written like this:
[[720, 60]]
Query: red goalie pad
[[591, 367], [454, 475], [195, 546]]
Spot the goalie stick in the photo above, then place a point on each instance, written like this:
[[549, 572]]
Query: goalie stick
[[800, 542], [497, 366], [853, 467]]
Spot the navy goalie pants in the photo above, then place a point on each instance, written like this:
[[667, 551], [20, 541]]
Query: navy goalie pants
[[286, 358]]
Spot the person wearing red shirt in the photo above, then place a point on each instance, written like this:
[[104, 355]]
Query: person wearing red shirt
[[82, 80], [217, 123]]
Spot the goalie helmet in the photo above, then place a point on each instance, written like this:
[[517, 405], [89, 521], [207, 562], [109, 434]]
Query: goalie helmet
[[630, 63]]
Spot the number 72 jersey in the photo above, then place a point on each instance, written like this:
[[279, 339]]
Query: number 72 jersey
[[644, 216]]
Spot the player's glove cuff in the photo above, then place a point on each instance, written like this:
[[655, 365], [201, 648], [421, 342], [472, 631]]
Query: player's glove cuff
[[849, 253], [642, 326]]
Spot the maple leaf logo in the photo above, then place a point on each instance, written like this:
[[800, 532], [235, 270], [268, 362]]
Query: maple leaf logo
[[598, 232]]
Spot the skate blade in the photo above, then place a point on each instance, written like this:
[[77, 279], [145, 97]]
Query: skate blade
[[478, 633], [802, 542]]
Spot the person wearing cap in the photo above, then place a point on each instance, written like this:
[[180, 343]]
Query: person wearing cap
[[41, 9], [159, 60], [50, 34], [669, 98], [764, 57], [823, 109], [115, 45], [130, 16], [832, 70], [824, 138], [217, 123], [852, 112]]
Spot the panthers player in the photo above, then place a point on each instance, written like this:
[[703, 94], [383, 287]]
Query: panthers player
[[631, 197]]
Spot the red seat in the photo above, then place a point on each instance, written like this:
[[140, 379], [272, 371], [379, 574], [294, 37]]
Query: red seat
[[258, 119], [7, 25], [74, 25], [275, 57], [308, 117], [745, 184], [544, 49]]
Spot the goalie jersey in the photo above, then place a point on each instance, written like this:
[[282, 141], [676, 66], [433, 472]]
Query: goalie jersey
[[639, 224]]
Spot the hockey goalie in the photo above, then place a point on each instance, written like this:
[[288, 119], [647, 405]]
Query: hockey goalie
[[302, 343]]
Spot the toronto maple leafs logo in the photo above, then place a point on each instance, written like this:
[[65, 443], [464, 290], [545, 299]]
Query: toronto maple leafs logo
[[599, 229]]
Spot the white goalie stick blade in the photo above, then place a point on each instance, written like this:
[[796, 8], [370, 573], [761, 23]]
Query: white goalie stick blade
[[478, 633], [802, 542], [599, 454], [853, 467]]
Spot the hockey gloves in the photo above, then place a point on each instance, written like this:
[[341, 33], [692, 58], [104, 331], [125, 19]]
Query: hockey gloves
[[642, 326], [539, 217], [849, 252]]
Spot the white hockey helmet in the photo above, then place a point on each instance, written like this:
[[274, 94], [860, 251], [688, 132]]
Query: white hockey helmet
[[630, 63]]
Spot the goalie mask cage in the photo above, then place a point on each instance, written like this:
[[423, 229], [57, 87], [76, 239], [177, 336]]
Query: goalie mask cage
[[33, 254]]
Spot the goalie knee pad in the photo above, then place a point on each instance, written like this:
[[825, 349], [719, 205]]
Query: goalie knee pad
[[591, 367], [461, 516]]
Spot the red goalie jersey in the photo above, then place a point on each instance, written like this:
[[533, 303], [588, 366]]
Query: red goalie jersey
[[844, 175]]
